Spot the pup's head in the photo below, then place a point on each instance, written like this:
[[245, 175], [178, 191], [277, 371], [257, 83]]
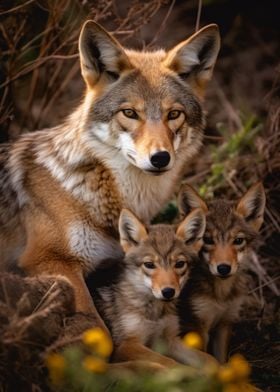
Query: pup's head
[[158, 257], [147, 104], [231, 227]]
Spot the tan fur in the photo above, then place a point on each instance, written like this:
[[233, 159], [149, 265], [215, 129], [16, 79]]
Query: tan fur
[[211, 302], [62, 189]]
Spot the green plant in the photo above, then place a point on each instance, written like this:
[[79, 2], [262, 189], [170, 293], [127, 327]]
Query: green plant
[[225, 157]]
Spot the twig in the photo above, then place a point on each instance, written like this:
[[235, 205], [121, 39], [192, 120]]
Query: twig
[[232, 184], [198, 15], [37, 63], [228, 106], [264, 284], [163, 24], [16, 8], [273, 220], [6, 296], [262, 275], [210, 137], [47, 294], [195, 177], [69, 76]]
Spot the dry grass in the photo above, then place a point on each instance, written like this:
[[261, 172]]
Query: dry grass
[[37, 316], [39, 59]]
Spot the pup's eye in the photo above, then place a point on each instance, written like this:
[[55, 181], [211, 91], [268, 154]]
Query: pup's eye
[[149, 264], [238, 241], [180, 264], [208, 240], [173, 114], [130, 113]]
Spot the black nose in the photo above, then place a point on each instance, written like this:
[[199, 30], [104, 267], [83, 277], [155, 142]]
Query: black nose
[[224, 269], [168, 292], [160, 159]]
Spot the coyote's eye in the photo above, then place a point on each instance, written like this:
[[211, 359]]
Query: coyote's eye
[[239, 241], [130, 113], [174, 114], [208, 240], [180, 264], [149, 264]]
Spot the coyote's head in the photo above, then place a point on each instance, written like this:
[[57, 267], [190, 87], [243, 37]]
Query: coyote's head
[[158, 257], [147, 104], [230, 228]]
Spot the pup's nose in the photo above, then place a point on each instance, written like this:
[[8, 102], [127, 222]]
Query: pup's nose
[[224, 269], [168, 292], [160, 159]]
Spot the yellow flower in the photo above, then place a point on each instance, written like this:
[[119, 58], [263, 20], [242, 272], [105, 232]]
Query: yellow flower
[[56, 365], [98, 341], [237, 370], [193, 340], [226, 374], [231, 388], [95, 365], [240, 366]]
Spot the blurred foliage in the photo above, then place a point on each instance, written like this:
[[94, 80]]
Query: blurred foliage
[[225, 156], [84, 367]]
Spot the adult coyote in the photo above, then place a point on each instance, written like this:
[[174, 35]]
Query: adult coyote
[[141, 120]]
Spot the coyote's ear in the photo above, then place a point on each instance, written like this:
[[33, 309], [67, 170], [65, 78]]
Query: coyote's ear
[[192, 228], [132, 231], [251, 206], [189, 199], [100, 54], [194, 59]]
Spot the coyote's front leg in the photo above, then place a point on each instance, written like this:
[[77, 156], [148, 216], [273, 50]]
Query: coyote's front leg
[[131, 349], [221, 342], [189, 356]]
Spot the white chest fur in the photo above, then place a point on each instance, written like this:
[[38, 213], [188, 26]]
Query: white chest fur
[[90, 245], [143, 193]]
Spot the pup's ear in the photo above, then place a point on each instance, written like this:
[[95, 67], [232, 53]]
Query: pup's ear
[[100, 54], [192, 228], [251, 206], [189, 199], [194, 58], [132, 231]]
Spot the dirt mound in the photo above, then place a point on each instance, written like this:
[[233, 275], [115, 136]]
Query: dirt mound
[[36, 317]]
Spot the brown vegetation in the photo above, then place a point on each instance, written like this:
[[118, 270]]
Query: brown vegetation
[[36, 317]]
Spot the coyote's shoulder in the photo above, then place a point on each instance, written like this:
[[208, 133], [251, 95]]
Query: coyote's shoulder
[[126, 145]]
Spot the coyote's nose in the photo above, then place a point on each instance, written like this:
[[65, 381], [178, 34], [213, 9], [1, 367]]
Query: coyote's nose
[[224, 269], [160, 159], [168, 292]]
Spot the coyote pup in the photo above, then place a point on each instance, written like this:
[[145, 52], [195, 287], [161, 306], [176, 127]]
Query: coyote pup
[[213, 296], [140, 307], [125, 146]]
